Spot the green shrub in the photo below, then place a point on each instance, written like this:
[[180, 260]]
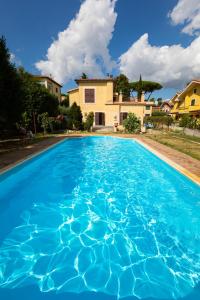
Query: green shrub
[[132, 124], [89, 121], [158, 113], [75, 117], [44, 121], [158, 121], [188, 121]]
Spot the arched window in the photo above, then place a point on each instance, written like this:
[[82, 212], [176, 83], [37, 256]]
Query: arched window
[[193, 102]]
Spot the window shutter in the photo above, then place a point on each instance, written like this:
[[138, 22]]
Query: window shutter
[[96, 118], [121, 119], [103, 119], [89, 95]]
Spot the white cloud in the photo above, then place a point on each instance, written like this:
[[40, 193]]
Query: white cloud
[[171, 65], [83, 46], [187, 13]]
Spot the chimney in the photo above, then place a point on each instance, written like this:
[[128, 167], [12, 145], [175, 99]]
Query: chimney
[[143, 96], [120, 96]]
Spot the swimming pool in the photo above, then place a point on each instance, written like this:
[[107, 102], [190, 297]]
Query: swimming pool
[[98, 218]]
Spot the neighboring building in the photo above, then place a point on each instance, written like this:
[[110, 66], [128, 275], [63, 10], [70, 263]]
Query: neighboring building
[[96, 95], [166, 106], [187, 101], [156, 108], [53, 87]]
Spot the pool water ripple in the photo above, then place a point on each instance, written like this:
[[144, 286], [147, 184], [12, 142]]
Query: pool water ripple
[[108, 217]]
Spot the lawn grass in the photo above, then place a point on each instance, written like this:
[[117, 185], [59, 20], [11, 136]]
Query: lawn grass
[[183, 143]]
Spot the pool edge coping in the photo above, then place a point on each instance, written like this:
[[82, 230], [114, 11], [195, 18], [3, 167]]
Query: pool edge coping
[[182, 170]]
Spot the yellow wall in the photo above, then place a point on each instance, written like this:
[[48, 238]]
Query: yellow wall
[[184, 104], [104, 102]]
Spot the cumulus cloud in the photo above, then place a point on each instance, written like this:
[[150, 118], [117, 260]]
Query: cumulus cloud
[[170, 65], [187, 13], [83, 46]]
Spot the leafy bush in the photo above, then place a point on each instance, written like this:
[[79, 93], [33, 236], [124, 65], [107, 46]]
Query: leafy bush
[[44, 121], [75, 117], [63, 110], [158, 121], [158, 113], [188, 121], [132, 124], [89, 121]]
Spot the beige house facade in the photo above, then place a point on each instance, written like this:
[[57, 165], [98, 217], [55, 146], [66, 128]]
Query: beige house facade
[[97, 96], [51, 85]]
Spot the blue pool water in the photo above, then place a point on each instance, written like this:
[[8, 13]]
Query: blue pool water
[[98, 218]]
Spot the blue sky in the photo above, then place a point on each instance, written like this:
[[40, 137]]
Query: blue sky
[[106, 36]]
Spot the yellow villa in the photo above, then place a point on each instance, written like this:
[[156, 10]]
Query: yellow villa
[[187, 101], [110, 109]]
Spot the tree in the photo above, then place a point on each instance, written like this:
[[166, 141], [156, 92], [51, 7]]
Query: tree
[[121, 85], [76, 116], [158, 119], [144, 86], [26, 120], [36, 98], [10, 90], [65, 102], [43, 119], [132, 124], [89, 121]]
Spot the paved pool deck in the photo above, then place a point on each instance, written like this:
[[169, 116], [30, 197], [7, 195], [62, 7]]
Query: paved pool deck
[[180, 161]]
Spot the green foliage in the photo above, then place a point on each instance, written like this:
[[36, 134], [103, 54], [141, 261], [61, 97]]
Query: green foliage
[[63, 110], [89, 121], [84, 76], [44, 121], [159, 101], [146, 86], [121, 85], [26, 120], [36, 97], [158, 121], [76, 117], [65, 102], [10, 90], [188, 121], [132, 124], [158, 113]]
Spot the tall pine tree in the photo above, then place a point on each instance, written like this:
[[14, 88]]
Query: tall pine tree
[[10, 90]]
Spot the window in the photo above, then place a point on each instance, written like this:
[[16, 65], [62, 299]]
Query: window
[[147, 115], [193, 102], [50, 86], [195, 91], [147, 107], [123, 116], [89, 95], [56, 90], [99, 118]]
